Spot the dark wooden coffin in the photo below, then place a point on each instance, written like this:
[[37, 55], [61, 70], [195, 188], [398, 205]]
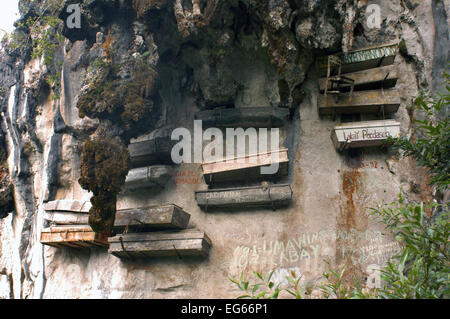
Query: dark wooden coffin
[[271, 196], [148, 218], [150, 152], [360, 102], [147, 177], [246, 168], [385, 77], [73, 236], [362, 59], [189, 242], [244, 117]]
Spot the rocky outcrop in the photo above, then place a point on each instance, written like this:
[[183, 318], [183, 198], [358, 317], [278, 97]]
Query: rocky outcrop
[[138, 68]]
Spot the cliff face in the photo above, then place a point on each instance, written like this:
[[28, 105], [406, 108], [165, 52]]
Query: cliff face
[[139, 68]]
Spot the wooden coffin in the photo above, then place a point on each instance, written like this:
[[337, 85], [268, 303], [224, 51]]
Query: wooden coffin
[[150, 152], [246, 168], [244, 117], [148, 218], [272, 196], [364, 134], [360, 102], [146, 177], [385, 77], [362, 59], [189, 242], [67, 212], [73, 236]]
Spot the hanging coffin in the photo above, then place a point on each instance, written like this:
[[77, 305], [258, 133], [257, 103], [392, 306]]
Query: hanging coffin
[[189, 242], [67, 212], [362, 59], [359, 102], [385, 77], [148, 218], [244, 117], [271, 196], [146, 177], [364, 134], [73, 236], [150, 152], [245, 168]]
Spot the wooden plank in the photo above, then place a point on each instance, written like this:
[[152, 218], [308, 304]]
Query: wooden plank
[[247, 167], [146, 177], [244, 117], [369, 79], [362, 59], [273, 196], [160, 244], [364, 134], [150, 152], [361, 102], [66, 205], [75, 237], [147, 218], [66, 218]]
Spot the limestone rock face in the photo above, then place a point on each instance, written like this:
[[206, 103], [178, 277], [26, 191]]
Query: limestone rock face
[[141, 68]]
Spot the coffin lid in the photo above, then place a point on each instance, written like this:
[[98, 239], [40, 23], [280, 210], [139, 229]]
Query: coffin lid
[[367, 124]]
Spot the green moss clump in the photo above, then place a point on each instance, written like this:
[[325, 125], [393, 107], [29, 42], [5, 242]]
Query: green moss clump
[[104, 167]]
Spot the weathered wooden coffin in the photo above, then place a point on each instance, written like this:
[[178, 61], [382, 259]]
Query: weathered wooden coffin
[[67, 212], [364, 134], [360, 102], [148, 218], [146, 177], [385, 77], [150, 152], [244, 117], [246, 168], [73, 236], [189, 242], [272, 196], [362, 59]]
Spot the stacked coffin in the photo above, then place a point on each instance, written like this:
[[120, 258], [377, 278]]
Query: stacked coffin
[[360, 82], [245, 168], [155, 231], [69, 225]]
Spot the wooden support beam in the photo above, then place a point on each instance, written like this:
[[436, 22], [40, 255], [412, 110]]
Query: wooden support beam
[[246, 168], [244, 117], [148, 218], [376, 78], [150, 152], [189, 242], [360, 102], [364, 134], [272, 196]]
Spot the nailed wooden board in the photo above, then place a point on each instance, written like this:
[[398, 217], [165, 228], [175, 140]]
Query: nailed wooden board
[[146, 177], [67, 205], [244, 117], [160, 244], [248, 167], [147, 218], [369, 79], [364, 134], [361, 102], [150, 152], [73, 236], [362, 59], [273, 196]]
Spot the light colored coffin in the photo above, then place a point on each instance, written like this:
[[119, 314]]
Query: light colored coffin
[[189, 242], [273, 196], [370, 101], [67, 205], [73, 236], [362, 59], [247, 167], [67, 212], [369, 79], [146, 177], [143, 219], [364, 134]]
